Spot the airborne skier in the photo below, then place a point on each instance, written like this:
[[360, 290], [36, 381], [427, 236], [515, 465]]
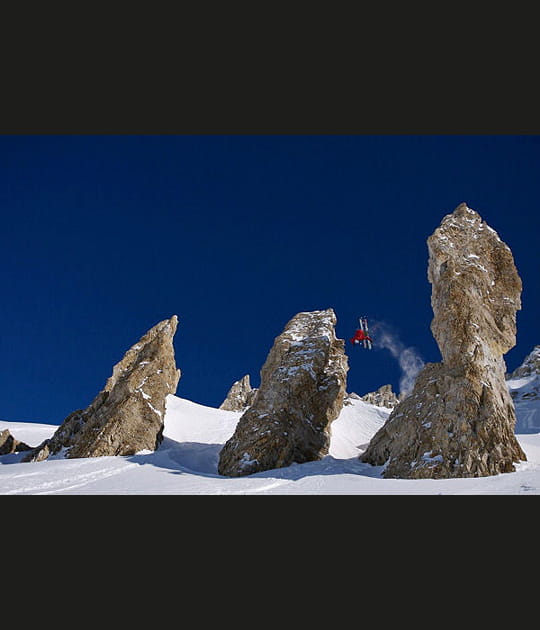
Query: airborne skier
[[362, 334]]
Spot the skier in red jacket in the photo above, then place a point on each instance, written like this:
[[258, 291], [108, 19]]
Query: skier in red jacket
[[359, 336]]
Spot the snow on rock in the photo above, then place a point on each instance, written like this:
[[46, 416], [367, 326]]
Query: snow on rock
[[529, 367], [383, 397]]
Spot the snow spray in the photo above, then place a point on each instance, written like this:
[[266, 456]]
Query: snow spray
[[408, 359]]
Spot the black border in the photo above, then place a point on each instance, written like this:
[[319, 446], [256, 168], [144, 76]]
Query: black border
[[341, 96]]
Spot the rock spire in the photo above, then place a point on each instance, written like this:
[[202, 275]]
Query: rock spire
[[302, 389], [459, 420], [127, 416], [240, 396]]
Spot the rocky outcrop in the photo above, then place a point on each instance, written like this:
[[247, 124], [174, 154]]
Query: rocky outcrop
[[127, 415], [240, 396], [459, 420], [347, 400], [302, 388], [9, 444], [383, 397], [529, 367]]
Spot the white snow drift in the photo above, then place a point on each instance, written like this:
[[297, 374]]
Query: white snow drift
[[186, 461]]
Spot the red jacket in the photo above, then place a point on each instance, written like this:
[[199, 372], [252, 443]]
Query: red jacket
[[360, 335]]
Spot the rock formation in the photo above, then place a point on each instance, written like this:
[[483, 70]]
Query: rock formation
[[9, 444], [348, 398], [302, 388], [240, 396], [529, 367], [127, 415], [383, 397], [459, 420]]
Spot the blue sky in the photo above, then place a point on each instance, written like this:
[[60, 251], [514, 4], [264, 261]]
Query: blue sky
[[104, 236]]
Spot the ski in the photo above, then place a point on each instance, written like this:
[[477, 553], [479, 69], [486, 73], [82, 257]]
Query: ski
[[361, 322], [364, 326]]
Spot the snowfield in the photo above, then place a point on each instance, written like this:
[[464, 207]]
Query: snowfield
[[186, 462], [526, 392]]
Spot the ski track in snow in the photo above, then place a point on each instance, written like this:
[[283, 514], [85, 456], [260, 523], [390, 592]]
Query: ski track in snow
[[186, 462], [51, 484]]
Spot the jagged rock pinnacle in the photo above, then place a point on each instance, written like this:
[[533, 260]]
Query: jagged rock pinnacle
[[127, 415], [302, 389], [459, 420], [240, 395]]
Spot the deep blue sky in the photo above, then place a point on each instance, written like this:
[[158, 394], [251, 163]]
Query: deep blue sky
[[104, 236]]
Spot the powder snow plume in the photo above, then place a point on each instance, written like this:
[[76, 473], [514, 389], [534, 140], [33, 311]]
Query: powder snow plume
[[408, 359]]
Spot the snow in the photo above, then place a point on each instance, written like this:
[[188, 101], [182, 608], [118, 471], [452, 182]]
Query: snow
[[156, 411], [520, 383], [525, 392], [186, 462]]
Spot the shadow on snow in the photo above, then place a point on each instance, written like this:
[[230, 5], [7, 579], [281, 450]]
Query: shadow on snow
[[202, 459]]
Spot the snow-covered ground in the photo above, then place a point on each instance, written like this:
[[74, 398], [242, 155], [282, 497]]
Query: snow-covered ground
[[526, 393], [186, 462]]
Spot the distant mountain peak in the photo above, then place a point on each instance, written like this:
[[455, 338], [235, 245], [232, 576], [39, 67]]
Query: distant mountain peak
[[530, 366]]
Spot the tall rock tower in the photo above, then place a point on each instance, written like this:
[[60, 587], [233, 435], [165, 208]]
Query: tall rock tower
[[459, 420], [302, 389]]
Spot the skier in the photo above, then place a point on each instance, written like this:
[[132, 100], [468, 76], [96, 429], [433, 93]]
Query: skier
[[359, 336]]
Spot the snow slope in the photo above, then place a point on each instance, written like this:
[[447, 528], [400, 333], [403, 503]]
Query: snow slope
[[186, 463], [525, 391]]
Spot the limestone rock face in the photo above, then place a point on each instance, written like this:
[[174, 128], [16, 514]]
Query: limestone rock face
[[383, 397], [303, 383], [9, 444], [127, 415], [240, 396], [459, 420]]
